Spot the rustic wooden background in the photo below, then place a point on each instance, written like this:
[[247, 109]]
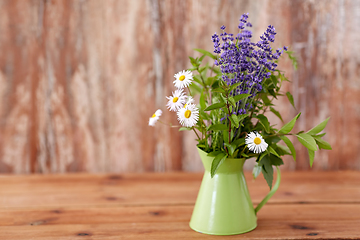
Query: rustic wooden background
[[80, 78]]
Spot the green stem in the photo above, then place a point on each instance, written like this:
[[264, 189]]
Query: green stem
[[189, 91], [229, 131], [252, 111], [202, 79], [227, 105], [243, 151], [279, 134], [196, 133], [169, 124], [203, 129]]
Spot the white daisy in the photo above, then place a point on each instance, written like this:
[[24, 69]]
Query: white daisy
[[190, 100], [176, 101], [255, 142], [188, 116], [183, 79], [155, 117]]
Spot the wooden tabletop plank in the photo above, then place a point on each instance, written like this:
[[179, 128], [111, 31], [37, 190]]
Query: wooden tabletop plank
[[312, 205], [295, 221], [166, 188], [54, 216], [166, 231]]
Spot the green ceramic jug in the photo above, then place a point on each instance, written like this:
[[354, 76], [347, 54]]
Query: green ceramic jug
[[223, 205]]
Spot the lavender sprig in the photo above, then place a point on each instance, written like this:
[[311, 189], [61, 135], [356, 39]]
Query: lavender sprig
[[245, 62]]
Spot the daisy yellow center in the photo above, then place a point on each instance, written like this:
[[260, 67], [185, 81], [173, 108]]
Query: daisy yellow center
[[257, 140], [154, 115], [175, 99], [182, 78], [187, 113], [185, 105]]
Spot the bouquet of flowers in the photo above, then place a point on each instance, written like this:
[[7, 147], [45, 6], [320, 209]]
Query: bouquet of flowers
[[234, 93]]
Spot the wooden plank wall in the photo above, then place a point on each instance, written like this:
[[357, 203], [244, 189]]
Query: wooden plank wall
[[79, 79]]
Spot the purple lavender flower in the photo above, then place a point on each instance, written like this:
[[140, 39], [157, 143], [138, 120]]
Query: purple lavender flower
[[242, 111], [215, 39], [246, 62]]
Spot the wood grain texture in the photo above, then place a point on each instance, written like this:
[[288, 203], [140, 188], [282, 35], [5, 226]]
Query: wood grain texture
[[158, 206], [73, 190], [175, 225], [79, 79]]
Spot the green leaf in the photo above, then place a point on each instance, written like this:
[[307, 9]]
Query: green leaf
[[282, 77], [204, 115], [215, 106], [242, 116], [239, 142], [209, 81], [272, 93], [194, 62], [290, 146], [226, 136], [282, 150], [262, 155], [206, 53], [213, 154], [291, 98], [318, 128], [192, 69], [276, 161], [232, 101], [203, 69], [195, 88], [320, 135], [244, 155], [274, 80], [311, 156], [235, 153], [307, 140], [241, 96], [273, 139], [223, 98], [292, 58], [202, 58], [216, 163], [185, 129], [219, 127], [231, 148], [197, 79], [289, 126], [273, 151], [256, 170], [234, 120], [264, 122], [202, 100], [267, 170], [266, 100], [235, 85], [201, 146], [220, 90], [322, 144], [276, 113]]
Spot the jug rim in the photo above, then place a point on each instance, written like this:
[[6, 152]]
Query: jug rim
[[230, 165]]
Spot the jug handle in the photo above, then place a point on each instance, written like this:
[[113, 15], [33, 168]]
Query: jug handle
[[273, 190]]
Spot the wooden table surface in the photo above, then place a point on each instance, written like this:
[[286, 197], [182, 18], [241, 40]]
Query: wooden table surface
[[316, 205]]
